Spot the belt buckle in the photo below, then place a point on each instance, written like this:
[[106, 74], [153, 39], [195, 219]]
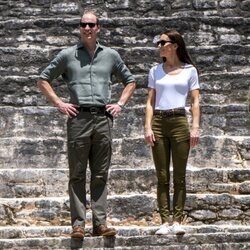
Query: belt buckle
[[93, 110]]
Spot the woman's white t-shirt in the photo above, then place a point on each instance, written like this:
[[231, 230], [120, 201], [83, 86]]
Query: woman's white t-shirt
[[172, 90]]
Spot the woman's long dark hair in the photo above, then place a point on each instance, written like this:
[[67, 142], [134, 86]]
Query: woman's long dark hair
[[181, 51]]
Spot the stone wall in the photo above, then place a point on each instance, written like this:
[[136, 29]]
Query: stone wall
[[217, 35], [33, 160]]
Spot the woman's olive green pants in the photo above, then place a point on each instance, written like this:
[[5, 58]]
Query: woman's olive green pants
[[172, 141]]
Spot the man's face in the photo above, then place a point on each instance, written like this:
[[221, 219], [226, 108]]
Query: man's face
[[89, 27]]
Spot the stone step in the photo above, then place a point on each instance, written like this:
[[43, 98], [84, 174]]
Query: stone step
[[207, 58], [124, 10], [222, 87], [50, 152], [21, 183], [216, 120], [53, 30], [21, 232], [210, 237], [127, 209]]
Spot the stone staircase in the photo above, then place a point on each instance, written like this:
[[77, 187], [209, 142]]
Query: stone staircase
[[34, 205]]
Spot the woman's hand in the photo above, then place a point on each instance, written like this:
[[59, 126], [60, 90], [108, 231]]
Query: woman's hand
[[194, 136], [149, 136]]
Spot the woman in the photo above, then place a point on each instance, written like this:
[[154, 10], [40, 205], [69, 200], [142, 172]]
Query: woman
[[166, 126]]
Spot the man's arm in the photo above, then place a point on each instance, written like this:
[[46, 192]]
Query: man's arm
[[127, 92], [68, 109]]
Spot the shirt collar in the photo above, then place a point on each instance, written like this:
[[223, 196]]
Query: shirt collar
[[80, 45]]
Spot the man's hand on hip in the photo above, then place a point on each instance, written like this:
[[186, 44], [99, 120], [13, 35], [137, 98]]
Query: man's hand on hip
[[68, 109], [113, 109]]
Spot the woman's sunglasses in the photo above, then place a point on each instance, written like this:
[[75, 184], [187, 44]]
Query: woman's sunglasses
[[163, 42], [84, 25]]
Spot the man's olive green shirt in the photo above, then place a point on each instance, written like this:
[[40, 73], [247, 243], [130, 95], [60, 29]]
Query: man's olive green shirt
[[88, 79]]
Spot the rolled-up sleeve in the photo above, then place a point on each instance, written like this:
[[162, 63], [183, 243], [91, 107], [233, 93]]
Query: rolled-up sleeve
[[122, 71], [54, 69]]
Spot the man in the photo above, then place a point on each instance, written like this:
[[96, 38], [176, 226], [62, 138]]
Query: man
[[87, 69]]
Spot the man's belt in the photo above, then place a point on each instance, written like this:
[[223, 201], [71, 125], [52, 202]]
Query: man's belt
[[96, 110], [92, 110], [171, 112]]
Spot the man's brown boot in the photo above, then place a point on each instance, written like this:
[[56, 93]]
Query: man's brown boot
[[78, 232], [103, 230]]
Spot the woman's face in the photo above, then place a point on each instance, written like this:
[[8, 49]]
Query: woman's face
[[166, 46]]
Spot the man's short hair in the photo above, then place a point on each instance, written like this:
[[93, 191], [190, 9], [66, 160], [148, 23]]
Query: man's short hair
[[92, 11]]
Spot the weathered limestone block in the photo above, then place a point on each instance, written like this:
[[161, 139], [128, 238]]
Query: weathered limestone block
[[131, 151], [179, 4], [231, 188], [130, 123], [245, 5], [37, 153], [228, 3], [224, 88], [26, 57], [245, 187], [32, 122], [225, 119], [33, 183], [231, 213], [239, 175], [245, 149], [65, 8], [232, 55], [217, 202], [229, 39], [125, 208], [203, 215], [199, 180], [60, 243], [143, 8], [139, 206], [204, 4], [33, 232], [125, 181], [215, 152]]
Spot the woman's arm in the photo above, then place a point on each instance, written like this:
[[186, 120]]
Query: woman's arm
[[195, 110], [148, 133]]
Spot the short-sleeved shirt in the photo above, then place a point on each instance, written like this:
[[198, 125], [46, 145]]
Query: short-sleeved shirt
[[88, 79], [172, 90]]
